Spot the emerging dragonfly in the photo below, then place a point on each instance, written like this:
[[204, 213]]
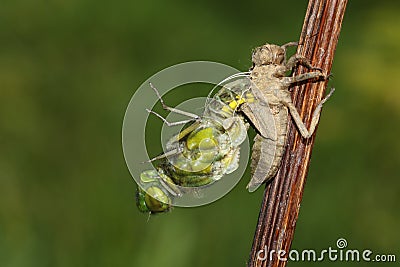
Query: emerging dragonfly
[[208, 148]]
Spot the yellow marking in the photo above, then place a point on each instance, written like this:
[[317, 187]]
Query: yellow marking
[[226, 110], [249, 98], [234, 104]]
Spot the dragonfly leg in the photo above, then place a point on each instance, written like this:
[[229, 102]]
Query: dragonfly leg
[[169, 124], [301, 60], [306, 133], [302, 77], [166, 154], [290, 44], [177, 111]]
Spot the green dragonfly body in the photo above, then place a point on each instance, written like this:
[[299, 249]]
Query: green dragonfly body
[[205, 151]]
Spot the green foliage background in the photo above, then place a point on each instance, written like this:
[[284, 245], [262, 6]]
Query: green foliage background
[[67, 72]]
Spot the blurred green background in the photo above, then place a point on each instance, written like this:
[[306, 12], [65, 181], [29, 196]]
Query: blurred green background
[[67, 72]]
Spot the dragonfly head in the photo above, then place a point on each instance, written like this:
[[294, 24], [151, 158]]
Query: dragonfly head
[[147, 203], [268, 54], [154, 199]]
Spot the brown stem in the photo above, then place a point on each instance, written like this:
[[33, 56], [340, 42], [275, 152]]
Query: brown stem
[[282, 197]]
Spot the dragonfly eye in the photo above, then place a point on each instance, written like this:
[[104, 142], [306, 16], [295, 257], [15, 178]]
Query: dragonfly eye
[[280, 57], [154, 200], [268, 54]]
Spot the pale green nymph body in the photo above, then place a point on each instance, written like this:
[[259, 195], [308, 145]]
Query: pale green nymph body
[[208, 149]]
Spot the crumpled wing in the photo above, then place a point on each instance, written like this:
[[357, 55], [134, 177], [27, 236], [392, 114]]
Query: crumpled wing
[[261, 118], [261, 160], [259, 113]]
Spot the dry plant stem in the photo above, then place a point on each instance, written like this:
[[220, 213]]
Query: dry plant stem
[[282, 197]]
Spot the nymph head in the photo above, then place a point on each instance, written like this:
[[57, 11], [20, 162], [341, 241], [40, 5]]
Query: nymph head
[[268, 54]]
